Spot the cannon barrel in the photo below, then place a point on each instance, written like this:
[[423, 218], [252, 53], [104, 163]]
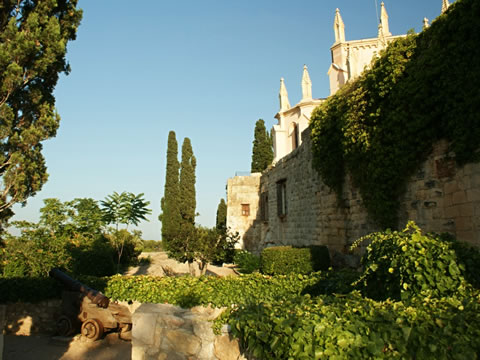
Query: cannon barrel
[[74, 285]]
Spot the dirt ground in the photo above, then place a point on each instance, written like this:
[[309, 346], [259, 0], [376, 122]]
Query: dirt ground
[[45, 347]]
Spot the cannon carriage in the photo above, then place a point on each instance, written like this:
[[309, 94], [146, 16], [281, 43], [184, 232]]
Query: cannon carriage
[[89, 312]]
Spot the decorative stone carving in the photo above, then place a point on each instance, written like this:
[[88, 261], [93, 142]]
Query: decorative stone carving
[[284, 103], [339, 27], [306, 85]]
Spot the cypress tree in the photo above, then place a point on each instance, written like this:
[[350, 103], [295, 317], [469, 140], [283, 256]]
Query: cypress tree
[[262, 152], [187, 204], [221, 216], [170, 216]]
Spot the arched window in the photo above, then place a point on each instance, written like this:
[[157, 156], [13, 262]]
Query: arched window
[[295, 136]]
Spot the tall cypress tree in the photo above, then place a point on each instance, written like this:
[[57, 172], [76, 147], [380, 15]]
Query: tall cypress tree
[[170, 216], [221, 223], [187, 203], [262, 152]]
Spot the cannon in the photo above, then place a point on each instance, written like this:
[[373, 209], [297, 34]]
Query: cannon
[[89, 311]]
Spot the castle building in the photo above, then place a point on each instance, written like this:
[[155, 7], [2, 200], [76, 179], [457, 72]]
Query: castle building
[[288, 204]]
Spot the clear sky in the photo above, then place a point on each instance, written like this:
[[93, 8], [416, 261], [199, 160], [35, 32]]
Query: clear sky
[[207, 70]]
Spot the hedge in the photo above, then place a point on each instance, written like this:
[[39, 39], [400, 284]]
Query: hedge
[[281, 260]]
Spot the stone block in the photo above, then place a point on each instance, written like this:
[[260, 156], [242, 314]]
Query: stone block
[[139, 352], [459, 197], [466, 210], [183, 341], [450, 187], [467, 236], [143, 331], [452, 211], [464, 224], [473, 195], [227, 348]]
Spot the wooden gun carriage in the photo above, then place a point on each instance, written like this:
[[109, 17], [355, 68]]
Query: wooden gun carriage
[[89, 311]]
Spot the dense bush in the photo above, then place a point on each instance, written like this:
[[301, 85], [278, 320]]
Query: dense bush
[[246, 261], [151, 246], [189, 291], [281, 260], [407, 264], [380, 127], [352, 327]]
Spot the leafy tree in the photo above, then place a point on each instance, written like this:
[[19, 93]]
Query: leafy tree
[[126, 209], [33, 44], [262, 152], [221, 223], [214, 246], [68, 235], [170, 216]]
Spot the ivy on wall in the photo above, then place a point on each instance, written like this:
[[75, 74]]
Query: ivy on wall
[[381, 127]]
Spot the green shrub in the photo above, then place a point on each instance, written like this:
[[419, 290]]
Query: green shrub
[[352, 327], [28, 289], [281, 260], [151, 246], [247, 262], [333, 282], [406, 264]]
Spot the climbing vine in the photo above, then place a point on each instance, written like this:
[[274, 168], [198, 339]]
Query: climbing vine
[[381, 127]]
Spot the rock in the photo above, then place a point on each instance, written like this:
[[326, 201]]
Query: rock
[[227, 348], [183, 341]]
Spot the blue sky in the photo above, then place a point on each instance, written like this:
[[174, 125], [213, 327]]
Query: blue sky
[[207, 70]]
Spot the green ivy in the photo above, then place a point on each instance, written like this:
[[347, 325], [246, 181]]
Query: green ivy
[[353, 327], [380, 127]]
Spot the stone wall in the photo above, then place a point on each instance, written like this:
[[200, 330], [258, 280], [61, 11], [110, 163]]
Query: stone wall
[[163, 331], [440, 197], [27, 319]]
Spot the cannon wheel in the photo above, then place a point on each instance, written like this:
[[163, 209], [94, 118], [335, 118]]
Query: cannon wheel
[[64, 326], [92, 329]]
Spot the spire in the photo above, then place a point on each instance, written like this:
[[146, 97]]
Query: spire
[[445, 5], [425, 23], [339, 27], [306, 85], [384, 20], [284, 103]]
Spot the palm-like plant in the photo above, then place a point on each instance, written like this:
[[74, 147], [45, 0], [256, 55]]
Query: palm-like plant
[[126, 209]]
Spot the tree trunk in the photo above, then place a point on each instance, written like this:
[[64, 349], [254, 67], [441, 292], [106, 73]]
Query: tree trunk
[[202, 266], [191, 268]]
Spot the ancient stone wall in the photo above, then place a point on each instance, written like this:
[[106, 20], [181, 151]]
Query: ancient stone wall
[[162, 331], [440, 197]]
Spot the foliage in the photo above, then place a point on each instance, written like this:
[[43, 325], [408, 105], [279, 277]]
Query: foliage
[[127, 209], [352, 327], [69, 235], [469, 258], [33, 44], [380, 128], [28, 289], [408, 264], [214, 246], [262, 152], [333, 282], [221, 219], [188, 291], [281, 260], [151, 246], [246, 261], [182, 247], [170, 216], [127, 246]]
